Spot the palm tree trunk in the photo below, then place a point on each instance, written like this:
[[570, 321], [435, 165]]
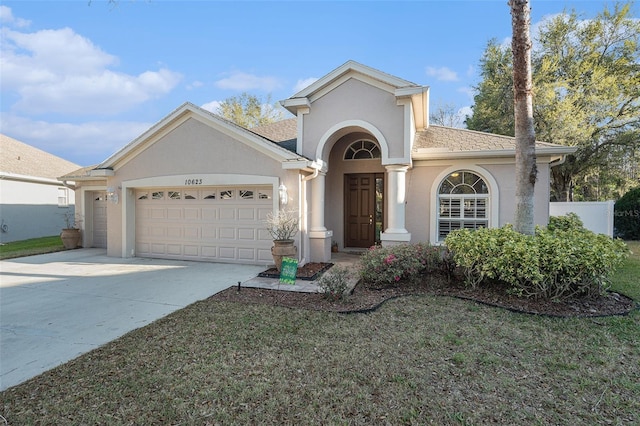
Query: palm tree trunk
[[526, 170]]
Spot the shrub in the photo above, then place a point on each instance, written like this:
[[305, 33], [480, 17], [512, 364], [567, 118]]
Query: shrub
[[558, 262], [335, 283], [386, 266], [568, 222], [626, 220]]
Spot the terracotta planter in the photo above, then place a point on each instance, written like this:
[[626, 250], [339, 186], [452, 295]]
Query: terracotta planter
[[283, 248], [71, 238]]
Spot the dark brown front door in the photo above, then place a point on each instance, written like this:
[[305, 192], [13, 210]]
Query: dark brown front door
[[363, 209]]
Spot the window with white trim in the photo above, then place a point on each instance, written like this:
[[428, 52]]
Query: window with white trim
[[63, 197], [362, 150], [463, 203]]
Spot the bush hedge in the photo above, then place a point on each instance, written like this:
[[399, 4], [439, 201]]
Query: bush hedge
[[626, 220], [389, 265], [560, 261]]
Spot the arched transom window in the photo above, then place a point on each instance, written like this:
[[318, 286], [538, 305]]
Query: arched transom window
[[362, 150], [463, 203]]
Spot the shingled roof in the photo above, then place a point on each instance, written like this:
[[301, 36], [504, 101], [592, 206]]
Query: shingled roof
[[21, 159], [284, 133], [433, 140]]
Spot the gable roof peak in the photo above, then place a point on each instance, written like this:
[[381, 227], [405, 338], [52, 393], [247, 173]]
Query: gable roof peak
[[349, 67]]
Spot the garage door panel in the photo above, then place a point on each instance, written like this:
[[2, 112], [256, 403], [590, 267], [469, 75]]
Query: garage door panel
[[191, 214], [228, 233], [210, 233], [193, 251], [264, 255], [191, 232], [159, 249], [246, 254], [174, 232], [174, 249], [246, 214], [158, 213], [209, 224], [246, 234], [174, 214], [227, 213], [209, 214], [227, 253]]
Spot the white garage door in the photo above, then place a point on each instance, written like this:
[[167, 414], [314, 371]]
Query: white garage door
[[223, 224]]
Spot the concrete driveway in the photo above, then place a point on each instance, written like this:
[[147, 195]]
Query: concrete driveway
[[57, 306]]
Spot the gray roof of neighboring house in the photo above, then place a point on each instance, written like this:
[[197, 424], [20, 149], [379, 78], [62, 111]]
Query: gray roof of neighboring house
[[21, 159]]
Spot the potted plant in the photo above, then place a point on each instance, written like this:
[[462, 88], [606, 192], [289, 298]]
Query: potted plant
[[282, 226], [70, 235]]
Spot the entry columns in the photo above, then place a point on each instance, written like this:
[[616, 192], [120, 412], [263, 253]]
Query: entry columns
[[319, 236], [396, 232]]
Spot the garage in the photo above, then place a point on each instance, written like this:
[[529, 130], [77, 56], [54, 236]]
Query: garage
[[216, 223]]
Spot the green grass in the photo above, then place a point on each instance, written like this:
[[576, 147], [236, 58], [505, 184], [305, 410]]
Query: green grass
[[626, 280], [31, 247], [416, 360]]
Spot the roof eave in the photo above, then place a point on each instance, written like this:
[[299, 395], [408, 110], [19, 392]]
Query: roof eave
[[554, 153]]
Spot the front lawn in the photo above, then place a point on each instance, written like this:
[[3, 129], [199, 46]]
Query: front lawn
[[31, 247], [626, 280], [416, 360]]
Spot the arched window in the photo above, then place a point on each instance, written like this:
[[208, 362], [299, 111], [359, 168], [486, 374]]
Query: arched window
[[362, 150], [463, 203]]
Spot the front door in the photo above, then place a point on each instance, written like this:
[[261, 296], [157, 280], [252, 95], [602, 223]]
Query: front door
[[363, 209]]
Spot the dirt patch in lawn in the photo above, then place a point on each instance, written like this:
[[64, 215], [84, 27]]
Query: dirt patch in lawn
[[366, 299]]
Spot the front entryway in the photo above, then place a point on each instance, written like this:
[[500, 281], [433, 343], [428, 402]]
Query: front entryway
[[363, 208]]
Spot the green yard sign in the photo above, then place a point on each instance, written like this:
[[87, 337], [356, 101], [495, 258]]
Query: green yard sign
[[288, 270]]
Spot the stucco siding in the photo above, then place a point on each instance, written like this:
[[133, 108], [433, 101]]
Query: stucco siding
[[30, 210], [193, 150], [354, 100], [423, 177]]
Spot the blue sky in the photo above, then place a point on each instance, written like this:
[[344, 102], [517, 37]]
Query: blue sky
[[81, 80]]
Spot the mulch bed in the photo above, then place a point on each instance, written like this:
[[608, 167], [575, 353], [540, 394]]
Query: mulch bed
[[366, 299], [310, 271]]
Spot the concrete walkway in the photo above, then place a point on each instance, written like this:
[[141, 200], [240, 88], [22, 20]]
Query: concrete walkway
[[57, 306]]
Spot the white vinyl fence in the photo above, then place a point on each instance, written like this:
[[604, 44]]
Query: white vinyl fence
[[597, 216]]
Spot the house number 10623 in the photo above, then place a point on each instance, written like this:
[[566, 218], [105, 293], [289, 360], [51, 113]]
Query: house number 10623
[[193, 181]]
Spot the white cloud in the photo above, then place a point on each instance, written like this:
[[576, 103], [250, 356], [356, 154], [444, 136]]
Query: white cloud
[[6, 17], [60, 71], [303, 84], [469, 91], [195, 85], [463, 113], [242, 81], [442, 74], [85, 143], [212, 106]]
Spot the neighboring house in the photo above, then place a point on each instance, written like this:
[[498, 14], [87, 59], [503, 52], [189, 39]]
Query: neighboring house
[[359, 161], [33, 202]]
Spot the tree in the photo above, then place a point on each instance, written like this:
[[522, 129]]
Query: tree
[[445, 114], [526, 169], [586, 76], [249, 110]]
